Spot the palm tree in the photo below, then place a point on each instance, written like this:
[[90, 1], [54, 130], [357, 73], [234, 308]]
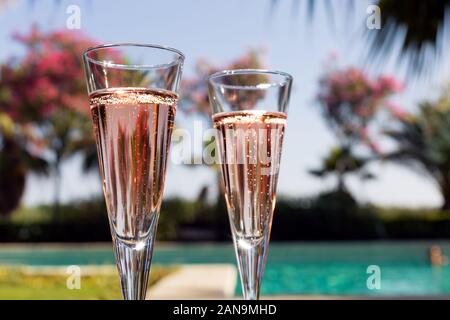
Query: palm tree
[[423, 143], [417, 25], [341, 162], [422, 23]]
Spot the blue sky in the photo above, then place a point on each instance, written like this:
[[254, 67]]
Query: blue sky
[[221, 31]]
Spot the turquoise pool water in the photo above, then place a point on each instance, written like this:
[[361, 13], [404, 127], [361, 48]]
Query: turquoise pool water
[[298, 268]]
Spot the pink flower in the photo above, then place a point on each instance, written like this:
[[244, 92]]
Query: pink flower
[[48, 78], [397, 111], [350, 100], [390, 84]]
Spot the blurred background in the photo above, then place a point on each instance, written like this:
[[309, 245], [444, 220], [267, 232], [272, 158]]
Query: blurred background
[[365, 175]]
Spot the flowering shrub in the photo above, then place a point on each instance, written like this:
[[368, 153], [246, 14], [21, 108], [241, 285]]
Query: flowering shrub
[[194, 98], [350, 101], [44, 93], [48, 78]]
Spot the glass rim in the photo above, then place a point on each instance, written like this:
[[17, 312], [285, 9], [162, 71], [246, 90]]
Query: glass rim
[[177, 60], [287, 78]]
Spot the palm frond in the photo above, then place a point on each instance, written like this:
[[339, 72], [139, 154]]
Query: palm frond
[[416, 27], [417, 24]]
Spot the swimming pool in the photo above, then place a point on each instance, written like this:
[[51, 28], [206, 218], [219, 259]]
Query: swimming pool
[[297, 268]]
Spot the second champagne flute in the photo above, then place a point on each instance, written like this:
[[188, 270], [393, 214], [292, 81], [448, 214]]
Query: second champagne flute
[[249, 111], [132, 91]]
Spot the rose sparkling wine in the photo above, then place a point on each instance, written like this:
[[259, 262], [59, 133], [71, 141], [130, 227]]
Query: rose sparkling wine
[[249, 148], [132, 91], [133, 130], [249, 113]]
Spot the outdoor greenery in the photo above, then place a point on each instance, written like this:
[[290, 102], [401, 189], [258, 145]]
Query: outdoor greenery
[[44, 94], [20, 283], [350, 102], [329, 216], [44, 120], [423, 142]]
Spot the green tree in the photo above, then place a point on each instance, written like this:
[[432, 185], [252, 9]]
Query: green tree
[[349, 101], [423, 142], [16, 160], [341, 163], [44, 93]]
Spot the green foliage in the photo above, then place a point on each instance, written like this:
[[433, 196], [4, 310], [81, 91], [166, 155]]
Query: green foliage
[[350, 101], [174, 213], [330, 216], [19, 283], [87, 221], [401, 223], [406, 214], [15, 162], [340, 162], [44, 93], [423, 142]]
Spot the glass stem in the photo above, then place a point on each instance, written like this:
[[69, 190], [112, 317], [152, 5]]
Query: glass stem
[[133, 262], [251, 259]]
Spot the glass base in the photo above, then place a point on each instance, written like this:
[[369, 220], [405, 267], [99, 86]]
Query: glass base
[[133, 262], [251, 257]]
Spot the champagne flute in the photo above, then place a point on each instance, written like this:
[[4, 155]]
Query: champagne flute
[[249, 111], [132, 92]]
